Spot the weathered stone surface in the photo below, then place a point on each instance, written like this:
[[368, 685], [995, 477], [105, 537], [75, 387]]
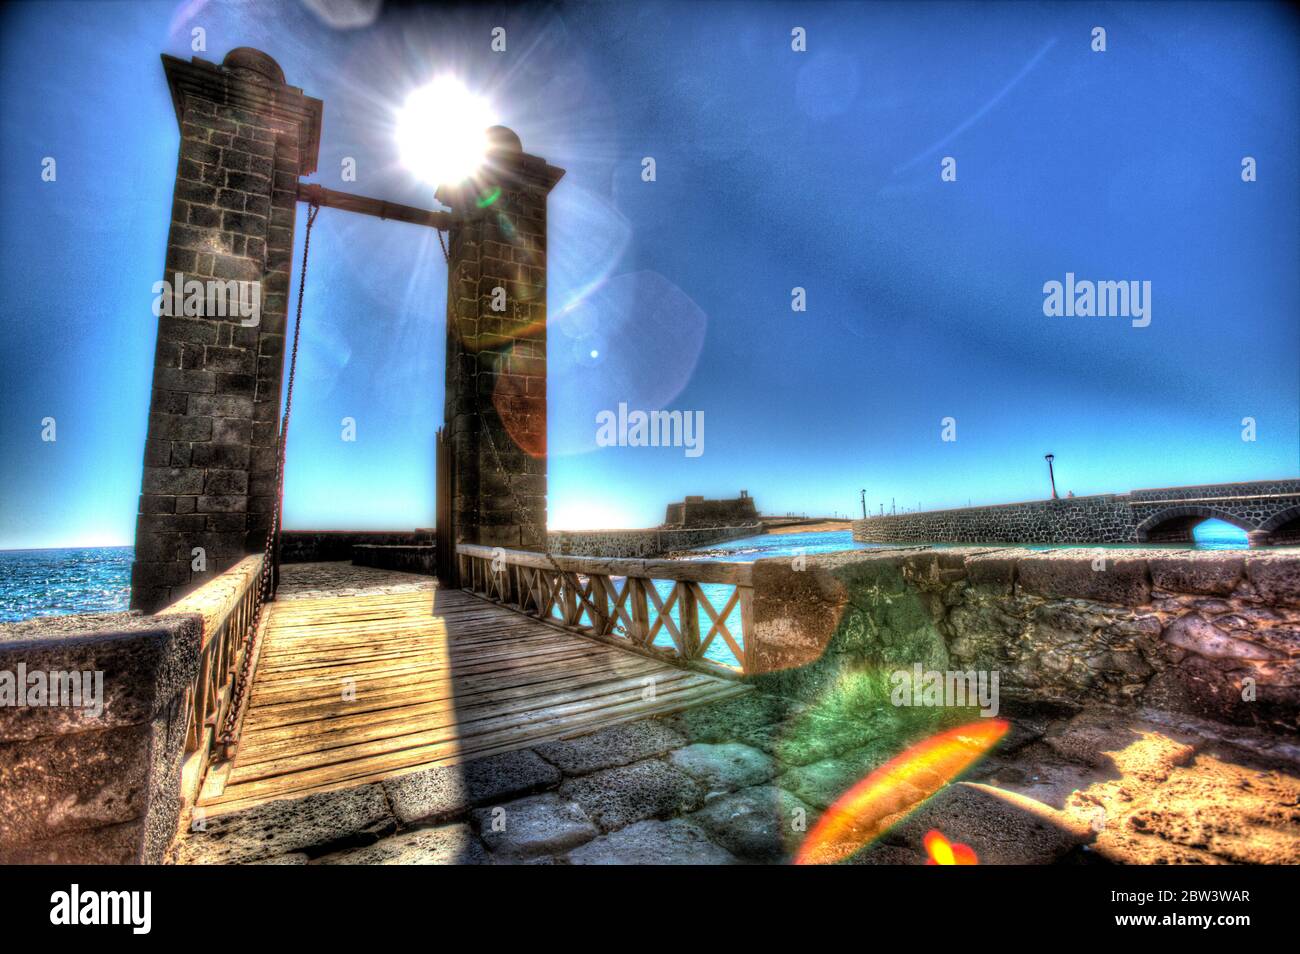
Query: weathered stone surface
[[1215, 574], [821, 783], [675, 842], [807, 739], [446, 791], [1207, 812], [1106, 576], [86, 780], [278, 827], [1194, 632], [145, 661], [880, 853], [620, 796], [796, 610], [1275, 577], [109, 845], [1104, 738], [617, 745], [537, 825], [289, 858], [447, 845], [724, 767], [725, 721], [763, 823], [999, 832]]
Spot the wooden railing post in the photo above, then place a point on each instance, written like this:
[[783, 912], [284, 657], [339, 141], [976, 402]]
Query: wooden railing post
[[689, 614]]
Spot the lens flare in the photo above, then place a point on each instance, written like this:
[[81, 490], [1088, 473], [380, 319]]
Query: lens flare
[[944, 852], [901, 785]]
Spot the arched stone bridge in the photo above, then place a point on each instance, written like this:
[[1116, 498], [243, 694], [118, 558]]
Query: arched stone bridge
[[1268, 510]]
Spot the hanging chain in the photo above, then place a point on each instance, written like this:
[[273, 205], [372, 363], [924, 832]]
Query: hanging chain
[[266, 584]]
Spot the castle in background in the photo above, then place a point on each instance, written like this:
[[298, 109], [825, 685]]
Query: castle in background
[[698, 512]]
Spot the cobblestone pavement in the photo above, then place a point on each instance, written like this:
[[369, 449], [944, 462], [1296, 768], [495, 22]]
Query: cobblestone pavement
[[300, 581], [742, 782]]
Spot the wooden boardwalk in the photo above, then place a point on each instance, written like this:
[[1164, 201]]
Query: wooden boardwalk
[[353, 689]]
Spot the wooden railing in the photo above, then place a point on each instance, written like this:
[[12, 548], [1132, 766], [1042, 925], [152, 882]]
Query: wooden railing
[[674, 610], [226, 603]]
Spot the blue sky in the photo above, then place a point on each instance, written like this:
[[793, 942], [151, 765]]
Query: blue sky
[[775, 169]]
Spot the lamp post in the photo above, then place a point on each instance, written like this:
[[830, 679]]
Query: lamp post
[[1051, 475], [864, 503]]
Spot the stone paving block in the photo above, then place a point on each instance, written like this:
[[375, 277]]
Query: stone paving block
[[533, 826], [675, 842], [999, 832], [883, 854], [1236, 813], [805, 739], [447, 845], [617, 745], [288, 825], [620, 796], [821, 783], [446, 791], [725, 721], [763, 823], [723, 767]]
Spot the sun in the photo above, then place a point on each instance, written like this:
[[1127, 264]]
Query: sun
[[442, 131]]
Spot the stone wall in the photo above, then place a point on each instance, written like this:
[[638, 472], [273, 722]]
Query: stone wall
[[86, 787], [407, 559], [1267, 510], [652, 542], [209, 460], [1214, 634], [327, 546]]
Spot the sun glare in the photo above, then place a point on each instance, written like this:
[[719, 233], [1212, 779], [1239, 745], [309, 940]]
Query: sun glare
[[442, 131]]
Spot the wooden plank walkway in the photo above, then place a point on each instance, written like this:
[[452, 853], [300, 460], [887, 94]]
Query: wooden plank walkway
[[435, 678]]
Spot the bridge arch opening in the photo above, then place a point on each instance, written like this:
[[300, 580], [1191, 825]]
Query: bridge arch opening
[[1181, 525], [1283, 528], [1219, 534]]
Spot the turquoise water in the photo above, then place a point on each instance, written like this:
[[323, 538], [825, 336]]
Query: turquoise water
[[59, 582]]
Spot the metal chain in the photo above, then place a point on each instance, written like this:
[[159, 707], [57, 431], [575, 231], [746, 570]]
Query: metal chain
[[265, 584]]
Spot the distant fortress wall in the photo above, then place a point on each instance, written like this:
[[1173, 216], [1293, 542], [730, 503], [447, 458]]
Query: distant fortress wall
[[1269, 512], [698, 512], [642, 544]]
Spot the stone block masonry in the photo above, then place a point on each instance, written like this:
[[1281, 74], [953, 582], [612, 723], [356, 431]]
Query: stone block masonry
[[82, 786], [209, 462], [1269, 511], [495, 408], [651, 542], [1213, 634]]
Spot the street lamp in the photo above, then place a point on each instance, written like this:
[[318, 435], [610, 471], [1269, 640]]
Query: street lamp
[[1051, 475], [864, 503]]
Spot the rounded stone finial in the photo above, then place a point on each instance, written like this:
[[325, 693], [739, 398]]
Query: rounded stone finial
[[502, 139], [248, 63]]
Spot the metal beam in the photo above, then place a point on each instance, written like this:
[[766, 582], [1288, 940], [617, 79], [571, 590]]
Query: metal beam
[[330, 198]]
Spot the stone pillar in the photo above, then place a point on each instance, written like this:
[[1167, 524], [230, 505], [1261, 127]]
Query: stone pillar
[[209, 461], [496, 349]]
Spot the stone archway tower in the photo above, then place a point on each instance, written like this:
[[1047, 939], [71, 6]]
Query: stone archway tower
[[209, 461], [495, 408], [209, 467]]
